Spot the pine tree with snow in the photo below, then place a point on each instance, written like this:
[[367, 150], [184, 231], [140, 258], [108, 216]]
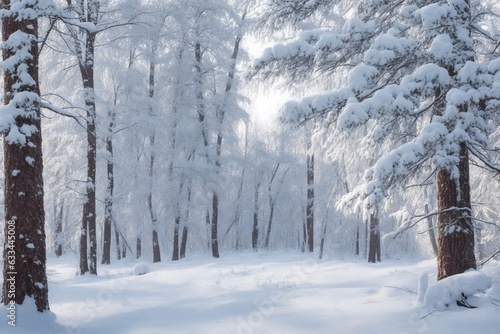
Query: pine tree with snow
[[419, 86]]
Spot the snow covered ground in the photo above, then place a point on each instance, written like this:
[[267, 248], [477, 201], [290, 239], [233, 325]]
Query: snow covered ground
[[253, 293]]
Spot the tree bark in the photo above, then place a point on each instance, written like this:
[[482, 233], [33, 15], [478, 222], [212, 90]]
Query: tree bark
[[374, 250], [310, 200], [175, 252], [138, 248], [272, 203], [323, 237], [85, 57], [108, 201], [156, 248], [117, 240], [357, 240], [455, 227], [255, 228], [214, 224], [59, 229], [183, 242], [155, 242], [24, 255]]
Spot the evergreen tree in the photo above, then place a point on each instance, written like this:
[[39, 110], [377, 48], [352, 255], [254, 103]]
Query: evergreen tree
[[420, 87]]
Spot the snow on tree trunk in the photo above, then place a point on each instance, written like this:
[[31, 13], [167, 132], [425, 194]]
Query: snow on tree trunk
[[24, 256]]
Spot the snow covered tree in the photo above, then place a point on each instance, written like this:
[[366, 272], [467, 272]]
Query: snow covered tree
[[81, 22], [420, 87], [24, 254]]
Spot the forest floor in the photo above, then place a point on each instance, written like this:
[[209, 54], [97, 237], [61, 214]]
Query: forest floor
[[244, 293]]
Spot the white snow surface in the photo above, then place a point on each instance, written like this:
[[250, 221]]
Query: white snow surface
[[278, 293]]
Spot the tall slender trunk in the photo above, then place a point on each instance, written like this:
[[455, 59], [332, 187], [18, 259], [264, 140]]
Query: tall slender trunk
[[175, 252], [214, 242], [430, 229], [117, 241], [155, 242], [323, 237], [88, 13], [272, 203], [304, 237], [374, 250], [214, 224], [182, 251], [108, 201], [59, 216], [357, 240], [255, 227], [183, 242], [138, 248], [310, 200], [24, 252]]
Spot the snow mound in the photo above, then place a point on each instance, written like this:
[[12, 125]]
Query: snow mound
[[141, 268], [447, 291]]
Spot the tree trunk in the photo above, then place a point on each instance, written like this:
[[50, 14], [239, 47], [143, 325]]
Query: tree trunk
[[366, 239], [357, 240], [430, 229], [24, 253], [117, 240], [138, 248], [184, 242], [156, 248], [89, 230], [175, 252], [255, 228], [108, 201], [272, 203], [214, 224], [310, 201], [124, 248], [155, 242], [374, 250], [455, 227], [323, 237], [59, 229], [304, 237]]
